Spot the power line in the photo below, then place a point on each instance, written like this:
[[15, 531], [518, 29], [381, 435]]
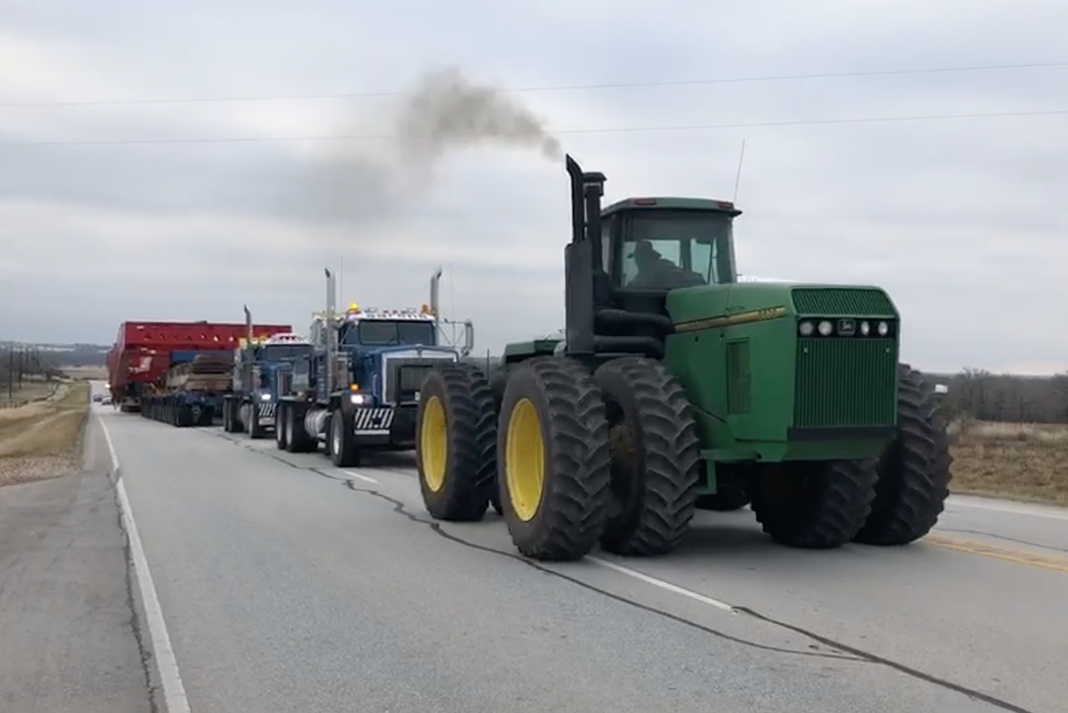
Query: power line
[[607, 130], [550, 88]]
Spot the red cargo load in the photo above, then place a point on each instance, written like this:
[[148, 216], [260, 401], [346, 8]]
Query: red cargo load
[[142, 350]]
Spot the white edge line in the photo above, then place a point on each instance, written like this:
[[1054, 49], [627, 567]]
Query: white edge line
[[666, 586], [361, 476], [174, 696]]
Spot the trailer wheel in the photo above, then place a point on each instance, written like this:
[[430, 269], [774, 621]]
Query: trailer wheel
[[456, 434], [656, 462], [553, 460], [914, 472], [344, 451]]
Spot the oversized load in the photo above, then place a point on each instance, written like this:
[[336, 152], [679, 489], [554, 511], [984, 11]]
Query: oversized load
[[144, 351], [191, 392]]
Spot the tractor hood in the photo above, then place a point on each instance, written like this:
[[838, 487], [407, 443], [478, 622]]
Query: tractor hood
[[723, 305]]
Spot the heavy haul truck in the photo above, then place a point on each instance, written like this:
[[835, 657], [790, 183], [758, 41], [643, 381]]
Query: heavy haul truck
[[356, 392], [674, 381], [192, 390]]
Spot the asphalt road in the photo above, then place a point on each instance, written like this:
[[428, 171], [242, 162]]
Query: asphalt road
[[288, 585]]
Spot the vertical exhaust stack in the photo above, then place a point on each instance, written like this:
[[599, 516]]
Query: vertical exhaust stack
[[435, 297], [330, 367], [580, 259], [248, 325]]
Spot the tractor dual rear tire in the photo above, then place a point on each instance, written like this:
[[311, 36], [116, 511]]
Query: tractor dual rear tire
[[455, 442], [553, 459], [814, 504], [914, 471], [655, 457]]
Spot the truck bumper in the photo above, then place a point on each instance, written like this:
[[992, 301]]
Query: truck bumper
[[385, 427]]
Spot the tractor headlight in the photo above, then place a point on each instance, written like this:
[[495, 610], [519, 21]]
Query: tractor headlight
[[865, 329], [883, 329], [265, 397], [826, 328], [357, 399], [806, 329]]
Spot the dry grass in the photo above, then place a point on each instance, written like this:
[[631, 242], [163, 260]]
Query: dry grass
[[31, 390], [99, 373], [1010, 460], [42, 439]]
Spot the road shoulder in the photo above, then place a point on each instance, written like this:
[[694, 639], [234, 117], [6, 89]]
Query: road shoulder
[[68, 619]]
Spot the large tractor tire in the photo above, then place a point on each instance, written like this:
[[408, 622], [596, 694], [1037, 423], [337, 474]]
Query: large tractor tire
[[553, 459], [914, 472], [498, 383], [814, 504], [655, 457], [455, 442]]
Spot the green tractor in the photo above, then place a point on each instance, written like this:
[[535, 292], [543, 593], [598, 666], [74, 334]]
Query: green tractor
[[677, 387]]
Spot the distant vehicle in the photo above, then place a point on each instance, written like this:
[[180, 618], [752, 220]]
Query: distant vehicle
[[98, 398], [106, 401]]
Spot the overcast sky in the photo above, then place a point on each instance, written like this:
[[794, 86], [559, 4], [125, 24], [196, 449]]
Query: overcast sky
[[964, 221]]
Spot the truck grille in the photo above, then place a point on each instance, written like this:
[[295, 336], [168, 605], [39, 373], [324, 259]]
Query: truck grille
[[404, 377], [845, 382]]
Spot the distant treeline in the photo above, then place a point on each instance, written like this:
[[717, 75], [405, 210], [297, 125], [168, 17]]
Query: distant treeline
[[67, 355], [978, 394]]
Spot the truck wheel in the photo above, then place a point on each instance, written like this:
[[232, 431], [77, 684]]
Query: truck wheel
[[814, 504], [281, 427], [455, 442], [914, 472], [255, 430], [655, 457], [344, 452], [553, 459]]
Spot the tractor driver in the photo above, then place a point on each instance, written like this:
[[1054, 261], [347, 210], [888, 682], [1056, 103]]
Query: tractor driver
[[657, 272]]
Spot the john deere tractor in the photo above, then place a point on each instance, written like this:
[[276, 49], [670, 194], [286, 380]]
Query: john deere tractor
[[676, 386]]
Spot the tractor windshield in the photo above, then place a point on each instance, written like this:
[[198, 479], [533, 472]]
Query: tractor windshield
[[665, 249], [380, 333]]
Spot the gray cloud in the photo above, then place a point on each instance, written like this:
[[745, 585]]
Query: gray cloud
[[961, 220]]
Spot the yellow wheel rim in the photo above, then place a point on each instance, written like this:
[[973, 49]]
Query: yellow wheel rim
[[524, 464], [433, 444]]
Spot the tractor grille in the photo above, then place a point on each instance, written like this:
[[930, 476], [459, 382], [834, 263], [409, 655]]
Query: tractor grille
[[845, 382], [404, 377], [842, 302]]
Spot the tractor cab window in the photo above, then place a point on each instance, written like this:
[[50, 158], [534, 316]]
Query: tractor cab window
[[667, 249], [382, 333]]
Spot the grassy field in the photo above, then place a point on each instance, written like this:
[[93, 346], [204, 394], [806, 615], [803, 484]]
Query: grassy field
[[42, 439], [29, 391], [1019, 461]]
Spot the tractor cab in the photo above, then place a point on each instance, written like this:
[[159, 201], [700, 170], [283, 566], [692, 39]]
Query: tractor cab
[[659, 244], [623, 261]]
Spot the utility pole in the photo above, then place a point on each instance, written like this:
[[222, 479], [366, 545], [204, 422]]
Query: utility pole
[[11, 373]]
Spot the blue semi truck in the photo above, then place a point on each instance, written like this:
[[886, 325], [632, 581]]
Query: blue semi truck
[[192, 391], [262, 367], [359, 390]]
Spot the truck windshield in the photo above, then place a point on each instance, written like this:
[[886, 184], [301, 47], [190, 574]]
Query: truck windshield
[[664, 249], [280, 352], [392, 333]]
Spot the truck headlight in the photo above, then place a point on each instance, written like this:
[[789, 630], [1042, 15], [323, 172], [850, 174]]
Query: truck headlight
[[883, 329], [826, 328], [357, 399], [265, 397], [865, 329], [806, 329]]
